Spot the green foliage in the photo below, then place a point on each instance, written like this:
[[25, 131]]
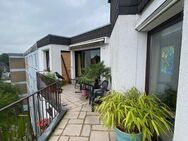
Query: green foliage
[[8, 94], [48, 78], [94, 71], [15, 127], [14, 122], [50, 75], [169, 98], [135, 112], [1, 72], [4, 58]]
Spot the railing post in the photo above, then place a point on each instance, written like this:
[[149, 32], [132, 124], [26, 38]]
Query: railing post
[[35, 117]]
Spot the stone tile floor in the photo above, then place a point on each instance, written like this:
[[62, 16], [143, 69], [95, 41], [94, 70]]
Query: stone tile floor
[[79, 123]]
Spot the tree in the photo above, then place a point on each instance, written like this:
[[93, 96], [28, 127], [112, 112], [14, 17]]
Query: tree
[[1, 71], [4, 58], [14, 121], [8, 94]]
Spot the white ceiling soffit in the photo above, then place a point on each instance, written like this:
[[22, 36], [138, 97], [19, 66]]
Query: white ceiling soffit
[[167, 10]]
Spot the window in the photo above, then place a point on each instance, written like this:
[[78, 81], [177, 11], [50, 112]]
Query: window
[[85, 58], [164, 60], [47, 60]]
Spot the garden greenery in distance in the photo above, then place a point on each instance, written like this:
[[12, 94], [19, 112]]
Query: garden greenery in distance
[[14, 122], [8, 94]]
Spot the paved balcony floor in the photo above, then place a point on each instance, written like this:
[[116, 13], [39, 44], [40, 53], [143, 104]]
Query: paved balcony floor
[[79, 123]]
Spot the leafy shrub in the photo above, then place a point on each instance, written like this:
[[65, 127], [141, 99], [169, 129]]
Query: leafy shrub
[[14, 121], [48, 78], [93, 72], [8, 94], [169, 97], [1, 72]]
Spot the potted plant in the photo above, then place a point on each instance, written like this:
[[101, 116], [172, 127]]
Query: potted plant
[[48, 78], [93, 72], [135, 116], [92, 75]]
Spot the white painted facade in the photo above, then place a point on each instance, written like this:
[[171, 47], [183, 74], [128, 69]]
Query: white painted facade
[[36, 62], [32, 66], [105, 54], [73, 65], [55, 57], [127, 49]]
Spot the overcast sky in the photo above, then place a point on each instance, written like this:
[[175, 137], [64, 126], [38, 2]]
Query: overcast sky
[[23, 22]]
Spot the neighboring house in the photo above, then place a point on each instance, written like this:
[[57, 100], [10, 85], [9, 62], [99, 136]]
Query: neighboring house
[[4, 74], [3, 67], [144, 45], [17, 72]]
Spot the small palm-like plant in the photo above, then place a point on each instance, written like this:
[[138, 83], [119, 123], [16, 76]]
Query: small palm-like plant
[[135, 112], [94, 72]]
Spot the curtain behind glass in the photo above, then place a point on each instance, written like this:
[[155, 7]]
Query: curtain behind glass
[[164, 59]]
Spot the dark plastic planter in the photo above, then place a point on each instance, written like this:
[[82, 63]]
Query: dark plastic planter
[[122, 136]]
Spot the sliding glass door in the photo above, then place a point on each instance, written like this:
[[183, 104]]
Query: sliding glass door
[[163, 65], [86, 57], [165, 47]]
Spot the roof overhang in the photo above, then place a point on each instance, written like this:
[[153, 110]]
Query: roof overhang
[[169, 7], [90, 43]]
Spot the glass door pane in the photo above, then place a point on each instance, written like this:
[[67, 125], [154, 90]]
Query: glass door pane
[[164, 59], [85, 58], [165, 48]]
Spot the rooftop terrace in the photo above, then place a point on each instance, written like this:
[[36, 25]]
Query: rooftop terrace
[[79, 123]]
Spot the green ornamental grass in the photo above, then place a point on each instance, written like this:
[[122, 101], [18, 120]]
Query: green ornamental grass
[[135, 112]]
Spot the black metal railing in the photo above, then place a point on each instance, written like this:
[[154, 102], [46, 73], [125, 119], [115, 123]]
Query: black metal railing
[[33, 117]]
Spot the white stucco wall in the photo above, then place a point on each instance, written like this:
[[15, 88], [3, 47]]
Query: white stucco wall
[[141, 60], [42, 57], [181, 122], [32, 66], [56, 65], [105, 57], [127, 54], [73, 64], [55, 57], [36, 62]]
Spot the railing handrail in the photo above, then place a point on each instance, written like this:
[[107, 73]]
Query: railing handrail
[[20, 100]]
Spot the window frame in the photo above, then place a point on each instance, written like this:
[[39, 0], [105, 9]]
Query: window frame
[[174, 20], [83, 51]]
